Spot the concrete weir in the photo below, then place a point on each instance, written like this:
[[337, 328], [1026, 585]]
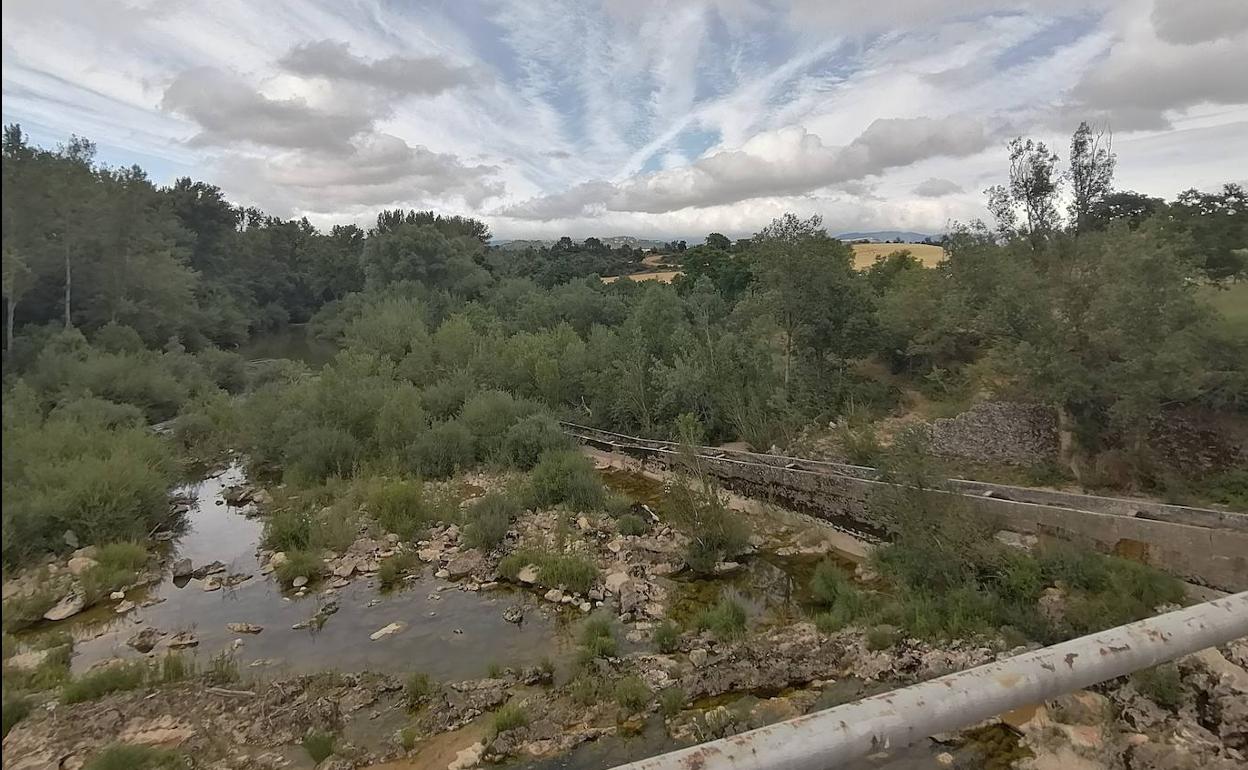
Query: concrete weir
[[1204, 546]]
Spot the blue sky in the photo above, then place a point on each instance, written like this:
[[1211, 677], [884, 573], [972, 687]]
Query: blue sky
[[630, 116]]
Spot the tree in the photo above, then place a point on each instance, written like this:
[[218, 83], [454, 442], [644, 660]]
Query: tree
[[1033, 186], [1091, 174], [718, 241], [1125, 206], [1216, 226]]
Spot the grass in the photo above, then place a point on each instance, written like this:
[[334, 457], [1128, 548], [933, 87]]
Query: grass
[[299, 563], [103, 681], [494, 670], [222, 669], [400, 506], [175, 667], [15, 709], [489, 518], [48, 674], [1161, 684], [567, 477], [597, 638], [25, 610], [631, 694], [125, 756], [392, 570], [511, 716], [572, 573], [716, 532], [726, 620], [666, 637], [584, 690], [417, 689], [632, 524], [319, 745], [865, 254], [881, 638], [671, 701]]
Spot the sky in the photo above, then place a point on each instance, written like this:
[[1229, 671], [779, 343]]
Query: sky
[[654, 119]]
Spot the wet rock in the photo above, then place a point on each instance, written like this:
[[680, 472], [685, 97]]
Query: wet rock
[[117, 595], [299, 582], [467, 563], [183, 639], [67, 607], [698, 657], [212, 584], [528, 574], [554, 595], [388, 630], [213, 568], [145, 640], [238, 496], [727, 567], [243, 628], [124, 607], [514, 614], [80, 564]]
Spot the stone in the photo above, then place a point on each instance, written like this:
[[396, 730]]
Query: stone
[[595, 595], [124, 607], [183, 639], [166, 730], [554, 595], [698, 657], [117, 595], [26, 661], [726, 567], [345, 568], [1021, 541], [67, 607], [944, 759], [70, 538], [212, 584], [467, 758], [528, 574], [615, 580], [278, 559], [80, 564], [582, 523], [586, 606], [514, 614], [299, 582], [145, 640], [1053, 604], [442, 574], [214, 568], [181, 568], [388, 630], [466, 563], [244, 628], [1082, 708]]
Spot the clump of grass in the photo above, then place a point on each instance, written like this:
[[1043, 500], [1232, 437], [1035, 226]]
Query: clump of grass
[[417, 690], [489, 519], [175, 667], [671, 701], [547, 667], [117, 567], [726, 620], [584, 690], [222, 669], [408, 737], [288, 528], [15, 708], [392, 570], [101, 682], [494, 670], [666, 636], [400, 506], [319, 745], [632, 524], [598, 637], [566, 476], [881, 638], [333, 528], [631, 693], [510, 717], [299, 564], [617, 505], [125, 756], [841, 601], [25, 610], [1161, 684], [574, 573], [51, 672]]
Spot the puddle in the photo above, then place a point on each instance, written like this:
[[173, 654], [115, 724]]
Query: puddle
[[773, 589], [461, 640]]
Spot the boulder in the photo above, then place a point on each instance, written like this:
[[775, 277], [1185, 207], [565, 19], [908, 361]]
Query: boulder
[[80, 564], [514, 614], [299, 582], [117, 595], [528, 574], [345, 568], [183, 639], [554, 595], [145, 640], [1082, 708], [465, 564], [67, 607], [615, 580], [387, 630], [181, 568], [698, 657], [70, 538], [244, 628], [125, 606], [468, 758]]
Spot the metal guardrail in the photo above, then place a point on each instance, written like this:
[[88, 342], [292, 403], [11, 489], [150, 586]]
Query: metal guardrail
[[825, 740]]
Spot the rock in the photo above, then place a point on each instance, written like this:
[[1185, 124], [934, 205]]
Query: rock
[[145, 640], [698, 657], [334, 762], [244, 628], [582, 523], [528, 574], [442, 574], [67, 607], [213, 568], [1021, 541], [466, 563], [944, 759], [26, 661], [345, 568], [388, 630], [124, 607], [183, 639], [1053, 604], [166, 731], [80, 564], [615, 580], [514, 614], [278, 559], [261, 497], [1082, 708], [299, 582], [554, 595], [212, 584], [726, 567], [467, 758], [585, 606], [864, 573], [595, 595], [70, 538], [181, 568], [117, 595]]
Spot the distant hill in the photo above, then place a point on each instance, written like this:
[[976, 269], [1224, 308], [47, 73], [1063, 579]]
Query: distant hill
[[880, 236], [614, 241]]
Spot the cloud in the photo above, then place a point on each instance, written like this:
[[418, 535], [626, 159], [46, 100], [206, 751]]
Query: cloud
[[879, 15], [1187, 23], [934, 187], [416, 75], [788, 161], [229, 110]]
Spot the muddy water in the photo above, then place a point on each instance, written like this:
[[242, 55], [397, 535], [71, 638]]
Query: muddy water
[[450, 634]]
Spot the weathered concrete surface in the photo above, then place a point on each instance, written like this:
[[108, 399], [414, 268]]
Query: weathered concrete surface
[[1206, 547]]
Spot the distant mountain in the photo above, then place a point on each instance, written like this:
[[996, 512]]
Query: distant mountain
[[906, 236]]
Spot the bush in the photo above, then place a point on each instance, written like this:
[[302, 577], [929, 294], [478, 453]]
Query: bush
[[392, 570], [1161, 684], [881, 638], [671, 701], [631, 524], [125, 756], [320, 452], [417, 689], [26, 610], [726, 620], [631, 693], [489, 518], [584, 690], [222, 669], [566, 476], [489, 415], [299, 564], [401, 420], [597, 637], [15, 709], [666, 637], [334, 528], [102, 681], [445, 398], [526, 441], [319, 745], [175, 667], [399, 506], [716, 533], [509, 717], [843, 603], [617, 505], [443, 449], [573, 573]]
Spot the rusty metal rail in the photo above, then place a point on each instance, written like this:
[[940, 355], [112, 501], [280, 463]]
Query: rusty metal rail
[[828, 739]]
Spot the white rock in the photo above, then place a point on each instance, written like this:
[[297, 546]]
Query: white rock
[[527, 575], [385, 631], [554, 595], [117, 595], [80, 564], [443, 574], [278, 559], [467, 758], [698, 657], [243, 628], [586, 606], [124, 607], [211, 584], [67, 607], [299, 582], [615, 581]]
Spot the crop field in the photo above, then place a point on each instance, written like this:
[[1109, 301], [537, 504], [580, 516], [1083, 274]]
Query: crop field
[[866, 253]]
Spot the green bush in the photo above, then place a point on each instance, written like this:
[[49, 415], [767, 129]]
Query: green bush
[[666, 637], [392, 570], [841, 601], [566, 476], [319, 745], [102, 681], [617, 505], [526, 441], [631, 524], [443, 449], [299, 564], [511, 716], [1161, 684], [584, 690], [881, 638], [488, 519], [15, 709], [288, 529], [124, 756], [726, 620], [716, 532], [598, 637], [320, 452], [446, 397], [417, 689], [489, 415], [401, 420], [631, 693], [671, 701], [399, 506], [573, 573]]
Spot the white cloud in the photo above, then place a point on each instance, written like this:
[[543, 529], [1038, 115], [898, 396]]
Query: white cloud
[[333, 60], [935, 187]]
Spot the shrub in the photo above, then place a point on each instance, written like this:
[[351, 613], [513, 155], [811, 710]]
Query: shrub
[[573, 573], [631, 693], [881, 638], [320, 452], [102, 681], [399, 506], [489, 518], [443, 449], [671, 701], [392, 570], [222, 669], [299, 564], [444, 398], [27, 609], [526, 441], [401, 419], [1161, 684], [51, 672], [510, 717], [334, 528], [584, 690], [287, 529], [417, 689], [15, 709], [224, 368], [175, 667], [125, 756], [319, 745], [566, 476], [631, 524], [715, 531], [117, 568], [726, 620], [617, 505], [666, 637], [842, 601], [489, 415], [597, 637]]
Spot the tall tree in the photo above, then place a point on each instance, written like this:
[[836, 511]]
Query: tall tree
[[1091, 174]]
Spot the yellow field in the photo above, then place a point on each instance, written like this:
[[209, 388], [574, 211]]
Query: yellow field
[[662, 276], [865, 253]]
